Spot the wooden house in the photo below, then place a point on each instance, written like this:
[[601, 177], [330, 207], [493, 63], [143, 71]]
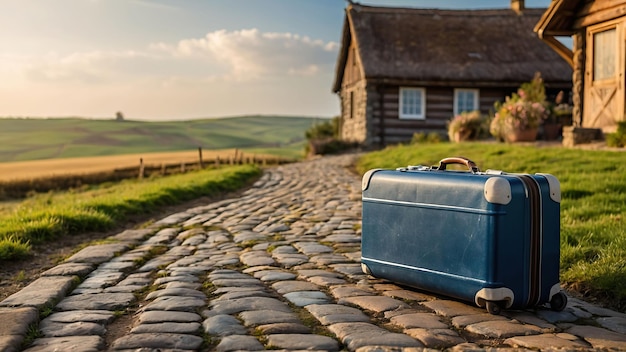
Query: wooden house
[[597, 57], [406, 70]]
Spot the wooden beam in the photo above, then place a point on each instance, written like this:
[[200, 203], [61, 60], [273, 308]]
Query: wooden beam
[[563, 51], [603, 15]]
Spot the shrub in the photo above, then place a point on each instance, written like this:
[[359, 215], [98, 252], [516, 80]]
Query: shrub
[[326, 129], [617, 139], [323, 138], [467, 126], [328, 146], [421, 137]]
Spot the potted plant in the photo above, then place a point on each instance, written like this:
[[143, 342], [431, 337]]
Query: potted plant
[[560, 115], [466, 126], [519, 117]]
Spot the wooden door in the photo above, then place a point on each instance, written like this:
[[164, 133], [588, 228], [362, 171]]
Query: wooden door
[[604, 76]]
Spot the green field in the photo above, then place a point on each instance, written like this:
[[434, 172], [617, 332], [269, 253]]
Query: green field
[[34, 138], [593, 206]]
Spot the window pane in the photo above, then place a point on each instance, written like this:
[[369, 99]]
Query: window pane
[[465, 100], [411, 102], [604, 55], [469, 101], [462, 101]]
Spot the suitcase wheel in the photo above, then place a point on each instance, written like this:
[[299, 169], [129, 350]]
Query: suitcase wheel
[[493, 307], [558, 302]]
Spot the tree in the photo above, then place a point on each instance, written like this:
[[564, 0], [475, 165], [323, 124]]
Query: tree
[[119, 116], [326, 129]]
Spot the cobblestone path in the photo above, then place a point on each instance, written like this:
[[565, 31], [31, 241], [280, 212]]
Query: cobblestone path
[[277, 268]]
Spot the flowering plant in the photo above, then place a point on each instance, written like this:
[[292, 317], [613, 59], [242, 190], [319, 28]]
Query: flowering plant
[[466, 126], [518, 114], [524, 110]]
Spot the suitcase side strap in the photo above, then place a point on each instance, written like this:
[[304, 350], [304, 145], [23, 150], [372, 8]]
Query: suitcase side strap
[[536, 234]]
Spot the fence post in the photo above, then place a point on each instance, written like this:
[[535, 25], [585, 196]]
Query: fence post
[[182, 167], [162, 169], [141, 168], [200, 157], [217, 161]]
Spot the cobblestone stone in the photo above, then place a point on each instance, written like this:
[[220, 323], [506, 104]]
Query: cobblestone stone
[[302, 342], [98, 253], [43, 291], [502, 329], [418, 320], [600, 338], [376, 304], [21, 318], [97, 301], [435, 338], [158, 341], [56, 329], [546, 341], [68, 343]]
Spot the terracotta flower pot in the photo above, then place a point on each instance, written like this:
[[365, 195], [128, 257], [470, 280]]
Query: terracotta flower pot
[[528, 135], [463, 135], [551, 131]]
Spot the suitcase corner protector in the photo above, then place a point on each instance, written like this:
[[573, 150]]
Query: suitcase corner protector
[[365, 181], [554, 186], [497, 190], [366, 269], [556, 288]]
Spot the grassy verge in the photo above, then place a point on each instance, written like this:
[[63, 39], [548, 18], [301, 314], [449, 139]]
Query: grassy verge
[[593, 207], [45, 217]]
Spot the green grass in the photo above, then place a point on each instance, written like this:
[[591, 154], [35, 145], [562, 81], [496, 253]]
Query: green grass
[[32, 139], [45, 217], [593, 207]]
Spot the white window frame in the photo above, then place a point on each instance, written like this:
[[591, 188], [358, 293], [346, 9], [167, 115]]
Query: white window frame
[[421, 115], [457, 91]]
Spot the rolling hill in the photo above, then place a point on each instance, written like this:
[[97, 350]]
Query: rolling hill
[[24, 139]]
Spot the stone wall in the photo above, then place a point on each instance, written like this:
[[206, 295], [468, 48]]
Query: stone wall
[[354, 123]]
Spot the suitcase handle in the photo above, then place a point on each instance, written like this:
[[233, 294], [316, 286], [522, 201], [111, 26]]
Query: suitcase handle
[[458, 160]]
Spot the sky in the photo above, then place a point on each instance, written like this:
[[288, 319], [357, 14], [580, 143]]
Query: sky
[[177, 59]]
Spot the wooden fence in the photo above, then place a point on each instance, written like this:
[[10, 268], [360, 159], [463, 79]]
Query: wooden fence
[[20, 188], [238, 158]]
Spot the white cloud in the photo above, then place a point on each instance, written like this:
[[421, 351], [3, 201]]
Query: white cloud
[[250, 54], [222, 73], [94, 67], [240, 55]]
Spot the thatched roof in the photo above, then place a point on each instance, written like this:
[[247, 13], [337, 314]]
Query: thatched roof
[[558, 19], [484, 47]]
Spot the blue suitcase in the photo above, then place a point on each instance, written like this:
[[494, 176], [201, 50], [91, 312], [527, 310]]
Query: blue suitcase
[[490, 238]]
